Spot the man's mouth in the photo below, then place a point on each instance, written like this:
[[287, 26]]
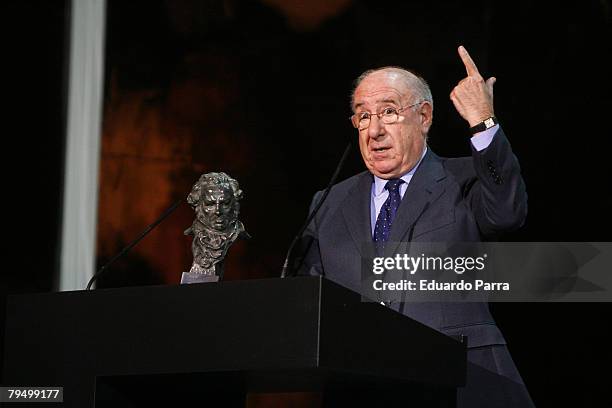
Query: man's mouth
[[380, 149]]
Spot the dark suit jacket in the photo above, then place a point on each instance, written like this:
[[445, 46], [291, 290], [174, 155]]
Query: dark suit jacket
[[470, 199]]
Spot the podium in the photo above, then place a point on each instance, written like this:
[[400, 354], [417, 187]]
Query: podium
[[211, 344]]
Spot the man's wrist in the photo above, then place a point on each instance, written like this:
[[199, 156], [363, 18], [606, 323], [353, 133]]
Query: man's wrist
[[484, 125], [482, 140]]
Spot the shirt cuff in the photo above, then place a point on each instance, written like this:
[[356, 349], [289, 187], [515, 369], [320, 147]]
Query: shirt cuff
[[482, 140]]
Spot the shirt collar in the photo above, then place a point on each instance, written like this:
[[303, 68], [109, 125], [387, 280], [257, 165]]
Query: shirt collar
[[379, 183]]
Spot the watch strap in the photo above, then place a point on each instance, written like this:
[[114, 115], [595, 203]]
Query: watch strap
[[484, 125]]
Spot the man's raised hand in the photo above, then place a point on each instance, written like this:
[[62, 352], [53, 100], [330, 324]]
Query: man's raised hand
[[473, 96]]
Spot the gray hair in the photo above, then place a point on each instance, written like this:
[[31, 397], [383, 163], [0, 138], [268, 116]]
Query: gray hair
[[417, 85]]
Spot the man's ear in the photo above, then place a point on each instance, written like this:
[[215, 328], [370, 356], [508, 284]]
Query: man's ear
[[425, 116]]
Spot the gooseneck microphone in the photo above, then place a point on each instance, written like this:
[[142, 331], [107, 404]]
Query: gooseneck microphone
[[409, 240], [133, 243], [286, 271], [425, 207]]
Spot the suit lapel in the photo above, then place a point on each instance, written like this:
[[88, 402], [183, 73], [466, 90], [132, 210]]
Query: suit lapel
[[426, 186], [356, 212]]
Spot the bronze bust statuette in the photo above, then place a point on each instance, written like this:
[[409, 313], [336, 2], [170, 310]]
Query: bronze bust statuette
[[215, 199]]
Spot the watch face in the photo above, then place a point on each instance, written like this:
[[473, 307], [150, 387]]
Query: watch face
[[489, 123]]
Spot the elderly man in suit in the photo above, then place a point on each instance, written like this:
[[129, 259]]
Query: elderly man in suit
[[409, 193]]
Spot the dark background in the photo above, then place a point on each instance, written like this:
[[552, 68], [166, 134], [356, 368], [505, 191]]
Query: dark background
[[288, 76]]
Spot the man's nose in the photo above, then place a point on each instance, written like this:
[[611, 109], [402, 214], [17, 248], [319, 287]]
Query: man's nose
[[376, 128], [218, 208]]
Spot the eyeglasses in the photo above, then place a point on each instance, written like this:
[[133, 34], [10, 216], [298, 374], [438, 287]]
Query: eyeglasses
[[388, 116]]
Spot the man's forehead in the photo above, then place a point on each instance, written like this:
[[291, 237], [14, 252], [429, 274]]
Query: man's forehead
[[380, 87], [373, 96]]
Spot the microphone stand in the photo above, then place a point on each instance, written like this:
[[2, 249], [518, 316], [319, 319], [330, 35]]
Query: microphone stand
[[286, 271], [133, 243]]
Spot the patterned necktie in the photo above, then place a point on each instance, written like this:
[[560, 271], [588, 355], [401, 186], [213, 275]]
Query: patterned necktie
[[387, 212]]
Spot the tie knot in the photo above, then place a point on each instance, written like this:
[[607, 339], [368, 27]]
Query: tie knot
[[393, 185]]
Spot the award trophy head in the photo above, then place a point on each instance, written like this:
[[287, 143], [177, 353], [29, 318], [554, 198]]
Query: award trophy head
[[215, 199]]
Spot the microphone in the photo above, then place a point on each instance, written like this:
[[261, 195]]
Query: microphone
[[409, 240], [133, 243], [425, 207], [286, 271]]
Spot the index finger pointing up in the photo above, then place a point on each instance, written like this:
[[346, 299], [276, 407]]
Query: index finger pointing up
[[470, 67]]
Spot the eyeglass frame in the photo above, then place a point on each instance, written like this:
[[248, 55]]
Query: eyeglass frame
[[380, 115]]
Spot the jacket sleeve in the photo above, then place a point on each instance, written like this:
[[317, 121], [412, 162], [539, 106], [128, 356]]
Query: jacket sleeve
[[498, 197]]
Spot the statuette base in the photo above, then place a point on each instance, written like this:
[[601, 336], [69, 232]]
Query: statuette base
[[188, 278]]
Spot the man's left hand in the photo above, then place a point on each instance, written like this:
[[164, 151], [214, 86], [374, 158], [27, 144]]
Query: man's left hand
[[473, 96]]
